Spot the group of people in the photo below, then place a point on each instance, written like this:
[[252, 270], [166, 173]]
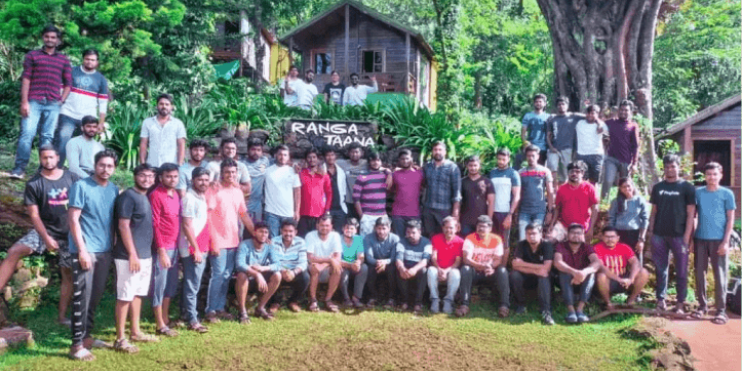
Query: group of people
[[301, 93], [267, 221]]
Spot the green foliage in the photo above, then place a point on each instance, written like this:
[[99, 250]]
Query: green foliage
[[125, 126], [10, 101]]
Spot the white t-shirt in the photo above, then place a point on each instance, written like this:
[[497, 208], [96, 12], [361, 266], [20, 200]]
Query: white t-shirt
[[323, 249], [194, 207], [280, 182], [305, 94], [289, 99], [163, 140], [590, 138]]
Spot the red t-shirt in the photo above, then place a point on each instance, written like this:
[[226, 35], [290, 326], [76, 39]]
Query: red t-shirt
[[575, 203], [316, 194], [447, 251], [615, 259], [165, 217]]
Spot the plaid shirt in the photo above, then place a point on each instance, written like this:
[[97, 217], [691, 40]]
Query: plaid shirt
[[48, 74], [295, 256], [443, 185]]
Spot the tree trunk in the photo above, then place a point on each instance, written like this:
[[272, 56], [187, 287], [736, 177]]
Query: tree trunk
[[603, 54], [257, 26]]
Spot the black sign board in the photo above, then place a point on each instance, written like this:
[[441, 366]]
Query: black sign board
[[302, 134]]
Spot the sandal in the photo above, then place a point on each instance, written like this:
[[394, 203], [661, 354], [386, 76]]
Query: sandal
[[144, 338], [225, 315], [264, 314], [197, 327], [331, 307], [274, 308], [167, 331], [211, 317], [100, 344], [313, 306], [124, 346], [720, 319], [294, 307], [244, 319], [82, 354], [699, 314]]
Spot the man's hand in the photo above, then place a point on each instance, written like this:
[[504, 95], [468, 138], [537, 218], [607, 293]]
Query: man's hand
[[686, 240], [489, 270], [507, 222], [85, 261], [380, 267], [164, 259], [543, 271], [134, 265], [443, 274], [25, 109], [262, 286], [336, 267], [51, 244], [297, 216], [287, 275], [373, 78], [723, 248], [356, 266], [625, 282], [589, 236], [215, 251], [578, 278], [404, 273], [640, 246], [198, 257]]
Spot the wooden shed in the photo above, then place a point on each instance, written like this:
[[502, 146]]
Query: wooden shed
[[350, 37], [713, 134]]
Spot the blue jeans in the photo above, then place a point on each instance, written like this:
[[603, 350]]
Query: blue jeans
[[524, 219], [45, 113], [612, 171], [65, 129], [274, 223], [164, 281], [452, 283], [192, 273], [661, 247], [581, 291], [221, 272]]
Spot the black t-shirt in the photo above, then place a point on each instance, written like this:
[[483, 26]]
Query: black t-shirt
[[335, 92], [544, 252], [474, 198], [671, 200], [335, 205], [51, 196], [134, 206]]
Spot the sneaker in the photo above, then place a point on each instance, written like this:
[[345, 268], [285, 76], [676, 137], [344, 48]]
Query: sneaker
[[17, 174], [447, 306], [435, 306], [520, 310], [571, 318], [582, 317], [546, 318]]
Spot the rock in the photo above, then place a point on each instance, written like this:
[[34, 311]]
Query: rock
[[15, 336]]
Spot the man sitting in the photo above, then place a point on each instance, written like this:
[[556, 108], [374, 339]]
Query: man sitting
[[256, 261], [446, 260], [381, 247], [577, 263], [323, 252], [532, 268], [291, 253], [413, 254], [483, 253], [614, 277]]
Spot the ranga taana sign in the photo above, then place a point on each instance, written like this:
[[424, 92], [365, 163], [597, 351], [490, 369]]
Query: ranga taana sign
[[302, 134]]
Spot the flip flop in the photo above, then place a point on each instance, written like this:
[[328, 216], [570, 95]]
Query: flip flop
[[699, 314], [100, 344], [83, 354], [720, 319], [313, 306], [144, 338], [124, 346], [201, 329], [331, 307]]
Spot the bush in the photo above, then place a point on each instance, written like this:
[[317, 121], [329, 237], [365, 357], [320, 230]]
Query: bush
[[10, 103]]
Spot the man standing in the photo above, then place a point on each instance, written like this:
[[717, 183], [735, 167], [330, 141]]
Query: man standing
[[534, 126], [197, 150], [316, 192], [46, 198], [623, 150], [443, 194], [257, 164], [195, 229], [445, 263], [282, 191], [305, 91], [576, 202], [287, 86], [227, 208], [256, 261], [413, 254], [577, 264], [381, 247], [561, 138], [323, 252], [88, 97], [133, 257], [369, 194], [333, 91], [477, 196], [291, 253], [715, 205], [338, 180], [534, 202], [354, 166], [591, 132], [507, 196], [356, 94], [165, 203], [90, 216], [163, 137], [483, 254], [671, 225], [532, 269], [45, 73], [81, 150], [406, 184], [614, 277], [228, 150]]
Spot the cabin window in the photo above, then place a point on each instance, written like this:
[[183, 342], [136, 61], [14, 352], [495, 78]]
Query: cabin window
[[705, 151], [322, 62], [373, 61]]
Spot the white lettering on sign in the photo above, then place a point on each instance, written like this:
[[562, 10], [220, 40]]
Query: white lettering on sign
[[335, 134]]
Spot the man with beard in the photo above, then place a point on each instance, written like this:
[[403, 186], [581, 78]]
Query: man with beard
[[445, 263], [46, 198], [532, 264], [354, 166], [88, 97], [534, 127], [477, 196], [623, 150], [133, 257], [338, 181], [257, 264], [197, 150], [316, 193], [561, 138], [228, 150], [443, 190], [324, 249], [287, 86], [90, 216], [406, 184], [256, 164], [413, 255], [334, 90], [163, 136], [576, 202], [291, 253], [381, 247], [45, 73], [369, 194], [506, 182], [305, 91], [81, 150], [577, 264], [536, 193], [355, 94], [282, 192]]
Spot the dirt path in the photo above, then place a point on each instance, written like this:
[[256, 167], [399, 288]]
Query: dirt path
[[715, 347]]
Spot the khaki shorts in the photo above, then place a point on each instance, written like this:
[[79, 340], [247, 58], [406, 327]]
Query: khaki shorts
[[130, 284]]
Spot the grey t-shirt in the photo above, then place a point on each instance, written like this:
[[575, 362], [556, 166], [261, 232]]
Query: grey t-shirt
[[134, 206], [532, 190], [184, 174], [563, 129], [81, 155], [257, 169], [352, 172]]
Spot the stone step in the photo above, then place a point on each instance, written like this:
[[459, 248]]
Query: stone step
[[15, 336]]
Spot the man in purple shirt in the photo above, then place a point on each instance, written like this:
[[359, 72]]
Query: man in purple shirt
[[369, 194], [623, 149], [406, 184], [45, 73]]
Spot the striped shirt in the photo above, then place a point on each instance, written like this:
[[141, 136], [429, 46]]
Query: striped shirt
[[533, 185], [370, 191], [295, 256], [48, 74], [88, 95]]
